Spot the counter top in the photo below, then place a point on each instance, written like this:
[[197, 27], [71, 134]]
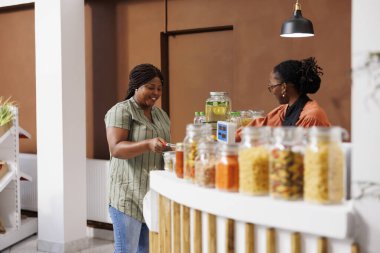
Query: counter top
[[333, 221]]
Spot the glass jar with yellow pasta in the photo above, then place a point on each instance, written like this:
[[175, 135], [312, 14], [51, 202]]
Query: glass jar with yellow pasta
[[254, 161], [324, 166], [286, 163]]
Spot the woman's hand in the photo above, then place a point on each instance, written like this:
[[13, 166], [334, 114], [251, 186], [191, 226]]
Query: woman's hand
[[157, 145]]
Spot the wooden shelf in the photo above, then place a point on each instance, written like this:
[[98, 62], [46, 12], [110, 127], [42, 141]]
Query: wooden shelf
[[334, 221]]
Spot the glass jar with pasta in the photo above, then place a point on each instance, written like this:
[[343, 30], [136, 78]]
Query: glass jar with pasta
[[205, 165], [194, 135], [324, 164], [227, 168], [286, 163], [254, 161]]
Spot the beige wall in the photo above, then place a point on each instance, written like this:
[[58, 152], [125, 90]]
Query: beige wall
[[17, 67], [121, 34]]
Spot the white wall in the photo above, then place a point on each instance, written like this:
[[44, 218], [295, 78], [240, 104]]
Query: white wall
[[366, 122]]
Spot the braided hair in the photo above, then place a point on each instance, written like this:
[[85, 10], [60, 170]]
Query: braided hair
[[140, 75], [304, 74]]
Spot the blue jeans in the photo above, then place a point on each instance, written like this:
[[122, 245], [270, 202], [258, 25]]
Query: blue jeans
[[130, 235]]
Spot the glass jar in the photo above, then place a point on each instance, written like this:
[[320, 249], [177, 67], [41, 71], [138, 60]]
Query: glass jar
[[194, 135], [235, 118], [249, 115], [205, 165], [218, 107], [245, 117], [227, 168], [254, 161], [324, 164], [169, 160], [286, 163], [179, 159]]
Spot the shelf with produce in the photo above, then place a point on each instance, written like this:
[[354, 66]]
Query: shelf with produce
[[334, 221], [28, 227], [6, 179], [6, 135], [17, 228]]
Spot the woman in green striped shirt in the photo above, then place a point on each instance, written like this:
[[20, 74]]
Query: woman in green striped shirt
[[136, 131]]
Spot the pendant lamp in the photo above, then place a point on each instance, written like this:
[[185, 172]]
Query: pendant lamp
[[297, 26]]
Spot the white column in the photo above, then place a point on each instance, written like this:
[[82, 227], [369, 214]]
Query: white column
[[366, 122], [60, 87]]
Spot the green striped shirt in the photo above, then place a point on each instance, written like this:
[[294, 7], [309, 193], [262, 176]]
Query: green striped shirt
[[129, 178]]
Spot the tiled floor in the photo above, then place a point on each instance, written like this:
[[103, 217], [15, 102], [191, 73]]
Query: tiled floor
[[29, 245]]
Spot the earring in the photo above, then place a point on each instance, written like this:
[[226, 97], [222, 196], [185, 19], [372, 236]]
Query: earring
[[283, 94]]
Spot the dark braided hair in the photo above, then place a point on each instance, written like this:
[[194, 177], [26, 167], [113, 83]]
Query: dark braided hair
[[304, 74], [140, 75]]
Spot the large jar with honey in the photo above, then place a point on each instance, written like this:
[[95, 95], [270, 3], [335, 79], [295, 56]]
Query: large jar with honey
[[218, 107], [286, 163], [324, 164], [227, 168], [194, 135], [254, 161]]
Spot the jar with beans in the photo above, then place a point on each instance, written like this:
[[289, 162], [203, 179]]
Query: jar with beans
[[286, 163], [194, 135], [254, 161], [205, 165]]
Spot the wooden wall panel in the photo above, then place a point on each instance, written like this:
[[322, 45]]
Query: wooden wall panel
[[120, 34]]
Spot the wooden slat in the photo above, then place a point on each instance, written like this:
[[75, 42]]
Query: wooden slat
[[230, 236], [197, 231], [176, 227], [355, 248], [185, 229], [296, 243], [249, 238], [271, 240], [154, 242], [322, 245], [161, 229], [165, 225], [211, 233]]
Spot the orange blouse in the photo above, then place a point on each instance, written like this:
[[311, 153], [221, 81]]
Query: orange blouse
[[311, 115]]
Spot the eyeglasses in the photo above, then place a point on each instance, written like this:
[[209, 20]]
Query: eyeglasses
[[271, 87]]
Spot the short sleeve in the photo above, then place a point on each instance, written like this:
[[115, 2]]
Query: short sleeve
[[118, 116]]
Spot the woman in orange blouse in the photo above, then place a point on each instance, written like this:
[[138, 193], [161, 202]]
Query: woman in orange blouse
[[290, 82]]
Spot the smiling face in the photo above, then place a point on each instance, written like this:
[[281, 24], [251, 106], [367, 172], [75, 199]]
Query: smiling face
[[278, 88], [147, 94]]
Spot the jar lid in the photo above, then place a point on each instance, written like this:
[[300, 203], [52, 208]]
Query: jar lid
[[207, 146], [229, 149], [218, 93], [289, 134], [256, 132], [334, 133], [235, 114]]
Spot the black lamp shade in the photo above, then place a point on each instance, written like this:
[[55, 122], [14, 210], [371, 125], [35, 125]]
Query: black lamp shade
[[297, 26]]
